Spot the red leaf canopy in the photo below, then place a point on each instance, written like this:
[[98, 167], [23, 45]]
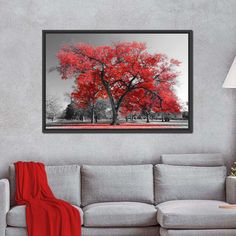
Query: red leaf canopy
[[125, 73]]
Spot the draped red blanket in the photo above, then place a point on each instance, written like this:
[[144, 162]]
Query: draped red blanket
[[45, 215]]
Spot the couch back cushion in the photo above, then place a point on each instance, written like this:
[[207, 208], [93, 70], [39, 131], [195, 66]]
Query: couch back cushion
[[117, 183], [63, 180], [201, 159], [189, 182]]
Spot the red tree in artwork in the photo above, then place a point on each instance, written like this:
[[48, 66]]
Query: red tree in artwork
[[170, 102], [121, 72], [140, 101], [87, 91], [147, 102]]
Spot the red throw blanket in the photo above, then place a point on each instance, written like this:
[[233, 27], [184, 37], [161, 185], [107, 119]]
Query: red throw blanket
[[45, 215]]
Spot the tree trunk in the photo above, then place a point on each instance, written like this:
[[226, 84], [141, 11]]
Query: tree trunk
[[115, 118], [92, 115], [148, 121], [111, 99], [162, 117]]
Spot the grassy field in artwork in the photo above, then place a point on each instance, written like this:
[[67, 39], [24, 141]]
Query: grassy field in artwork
[[179, 124]]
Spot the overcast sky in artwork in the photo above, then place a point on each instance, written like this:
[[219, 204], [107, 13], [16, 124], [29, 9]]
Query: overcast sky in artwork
[[173, 45]]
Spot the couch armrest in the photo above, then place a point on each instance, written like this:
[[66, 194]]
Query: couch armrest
[[4, 204], [231, 189]]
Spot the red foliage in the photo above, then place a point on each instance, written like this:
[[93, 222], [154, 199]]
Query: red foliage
[[88, 90], [125, 73]]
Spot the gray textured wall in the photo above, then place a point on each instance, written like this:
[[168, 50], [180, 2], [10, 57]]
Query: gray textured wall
[[214, 25]]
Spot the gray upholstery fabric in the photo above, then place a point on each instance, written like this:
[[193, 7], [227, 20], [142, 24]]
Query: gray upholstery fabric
[[139, 231], [12, 180], [195, 214], [119, 214], [188, 182], [231, 189], [63, 180], [209, 232], [16, 216], [13, 231], [203, 159], [132, 183], [4, 204]]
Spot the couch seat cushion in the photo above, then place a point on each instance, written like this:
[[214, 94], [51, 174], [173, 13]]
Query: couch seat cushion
[[16, 216], [195, 214], [132, 231], [119, 214], [197, 232]]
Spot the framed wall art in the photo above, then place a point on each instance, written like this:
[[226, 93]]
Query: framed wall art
[[117, 81]]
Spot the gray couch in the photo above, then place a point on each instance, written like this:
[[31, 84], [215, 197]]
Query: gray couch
[[179, 196]]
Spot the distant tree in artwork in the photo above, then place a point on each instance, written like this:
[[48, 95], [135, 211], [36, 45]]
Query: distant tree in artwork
[[70, 112], [87, 91], [52, 108], [131, 78], [140, 101], [148, 102]]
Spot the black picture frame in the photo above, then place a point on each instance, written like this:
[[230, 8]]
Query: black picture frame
[[160, 130]]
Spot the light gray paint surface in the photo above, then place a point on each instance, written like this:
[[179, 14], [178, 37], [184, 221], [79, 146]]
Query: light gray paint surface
[[21, 22]]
